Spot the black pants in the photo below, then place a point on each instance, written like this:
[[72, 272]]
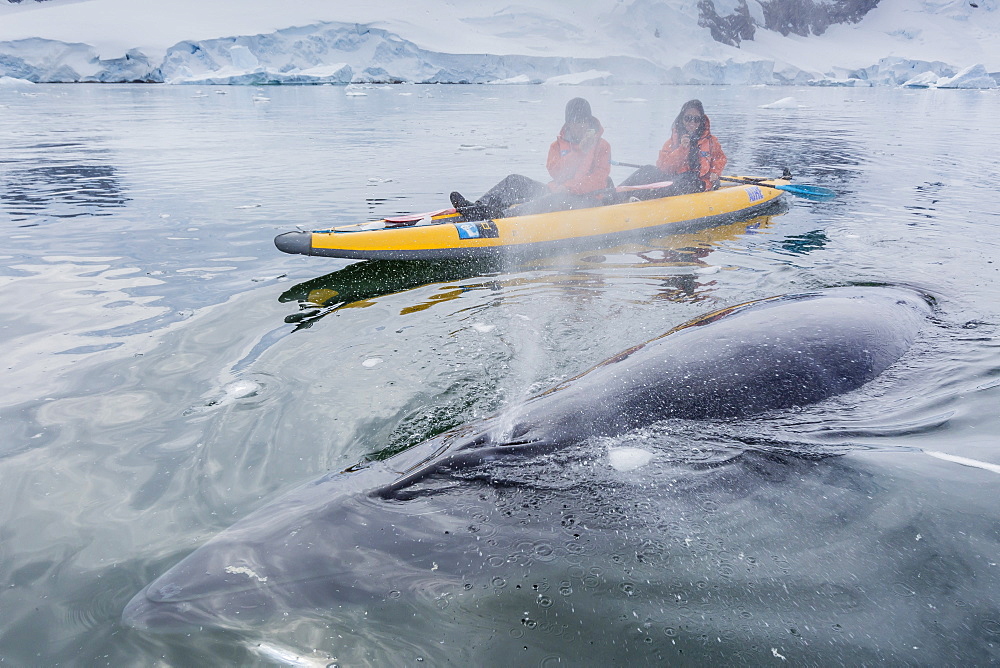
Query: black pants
[[514, 189], [684, 183], [518, 195]]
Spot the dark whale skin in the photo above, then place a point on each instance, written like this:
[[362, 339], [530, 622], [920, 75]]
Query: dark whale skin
[[353, 535]]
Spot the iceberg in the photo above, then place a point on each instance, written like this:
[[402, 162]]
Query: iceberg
[[14, 83], [51, 61], [974, 76], [897, 71], [923, 80], [344, 53]]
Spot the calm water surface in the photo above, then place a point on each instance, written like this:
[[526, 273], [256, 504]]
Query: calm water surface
[[166, 371]]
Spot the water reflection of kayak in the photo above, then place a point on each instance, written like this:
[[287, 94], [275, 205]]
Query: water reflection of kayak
[[445, 235], [361, 283]]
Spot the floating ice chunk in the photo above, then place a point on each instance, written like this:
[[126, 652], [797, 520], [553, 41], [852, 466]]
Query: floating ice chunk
[[13, 82], [783, 103], [705, 271], [471, 147], [974, 76], [372, 362], [483, 329], [628, 459]]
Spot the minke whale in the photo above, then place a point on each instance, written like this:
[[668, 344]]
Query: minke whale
[[399, 526]]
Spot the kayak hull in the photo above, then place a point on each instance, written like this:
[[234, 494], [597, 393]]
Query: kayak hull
[[446, 236]]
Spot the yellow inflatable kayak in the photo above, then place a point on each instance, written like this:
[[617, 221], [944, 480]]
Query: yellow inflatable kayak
[[445, 235]]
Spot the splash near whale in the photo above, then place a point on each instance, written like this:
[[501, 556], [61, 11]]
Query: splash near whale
[[402, 524]]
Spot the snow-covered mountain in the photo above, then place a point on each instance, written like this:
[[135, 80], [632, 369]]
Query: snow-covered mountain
[[945, 43]]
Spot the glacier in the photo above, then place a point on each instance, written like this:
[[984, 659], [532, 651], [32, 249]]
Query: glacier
[[618, 42]]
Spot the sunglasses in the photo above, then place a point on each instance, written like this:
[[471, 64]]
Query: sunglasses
[[692, 119]]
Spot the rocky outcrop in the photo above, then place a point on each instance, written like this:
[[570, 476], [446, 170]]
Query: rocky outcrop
[[799, 17]]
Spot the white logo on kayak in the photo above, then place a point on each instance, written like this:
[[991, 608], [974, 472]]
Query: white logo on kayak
[[755, 194], [467, 230]]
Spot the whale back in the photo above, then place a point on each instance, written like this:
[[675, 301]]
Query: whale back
[[346, 534]]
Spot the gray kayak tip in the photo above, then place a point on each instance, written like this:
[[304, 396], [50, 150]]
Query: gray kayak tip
[[294, 242]]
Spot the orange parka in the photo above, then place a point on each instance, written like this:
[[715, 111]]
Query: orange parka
[[579, 172], [673, 157]]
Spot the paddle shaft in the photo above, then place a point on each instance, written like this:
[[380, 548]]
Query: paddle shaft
[[808, 192], [754, 182]]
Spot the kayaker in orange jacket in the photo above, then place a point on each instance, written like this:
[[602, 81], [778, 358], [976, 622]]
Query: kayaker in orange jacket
[[692, 158], [579, 163], [579, 159]]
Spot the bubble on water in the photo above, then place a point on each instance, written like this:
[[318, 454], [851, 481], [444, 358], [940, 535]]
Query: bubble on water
[[239, 389]]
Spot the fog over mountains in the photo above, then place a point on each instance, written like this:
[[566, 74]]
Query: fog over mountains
[[924, 43]]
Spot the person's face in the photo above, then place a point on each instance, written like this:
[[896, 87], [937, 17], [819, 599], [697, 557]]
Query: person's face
[[692, 120], [576, 129]]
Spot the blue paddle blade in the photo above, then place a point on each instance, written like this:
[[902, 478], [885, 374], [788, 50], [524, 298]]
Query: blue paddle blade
[[809, 192]]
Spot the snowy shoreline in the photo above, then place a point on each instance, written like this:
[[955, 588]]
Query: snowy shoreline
[[631, 42]]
